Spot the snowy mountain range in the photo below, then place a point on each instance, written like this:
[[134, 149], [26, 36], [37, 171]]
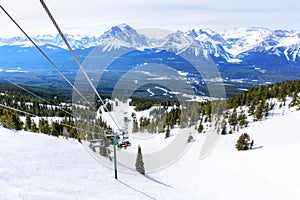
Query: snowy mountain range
[[230, 45], [248, 55]]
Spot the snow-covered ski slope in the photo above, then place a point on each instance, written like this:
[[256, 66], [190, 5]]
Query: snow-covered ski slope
[[37, 166]]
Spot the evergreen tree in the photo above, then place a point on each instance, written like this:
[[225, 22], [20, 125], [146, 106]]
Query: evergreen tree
[[251, 109], [194, 113], [294, 100], [56, 129], [135, 127], [108, 107], [105, 143], [133, 115], [27, 122], [6, 120], [243, 142], [233, 120], [184, 118], [33, 127], [251, 144], [224, 127], [44, 126], [200, 128], [168, 132], [73, 133], [266, 109], [139, 164], [161, 124], [242, 118], [259, 111], [11, 120], [151, 127], [18, 124], [144, 123]]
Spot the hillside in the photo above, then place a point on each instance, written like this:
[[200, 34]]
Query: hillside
[[37, 166]]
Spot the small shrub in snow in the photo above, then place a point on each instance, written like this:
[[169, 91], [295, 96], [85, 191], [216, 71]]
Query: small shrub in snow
[[244, 143], [190, 139]]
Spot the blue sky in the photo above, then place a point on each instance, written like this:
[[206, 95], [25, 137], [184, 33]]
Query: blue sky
[[96, 16]]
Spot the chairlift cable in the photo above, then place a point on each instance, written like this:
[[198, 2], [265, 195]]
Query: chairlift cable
[[44, 54], [33, 115], [21, 111], [19, 86], [76, 59], [37, 96], [15, 109], [61, 74]]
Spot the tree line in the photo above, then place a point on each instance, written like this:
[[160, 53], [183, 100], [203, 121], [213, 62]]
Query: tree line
[[167, 115], [255, 102]]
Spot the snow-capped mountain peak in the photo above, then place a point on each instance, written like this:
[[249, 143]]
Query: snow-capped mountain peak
[[115, 30], [291, 45], [123, 36], [230, 46], [244, 39], [177, 42]]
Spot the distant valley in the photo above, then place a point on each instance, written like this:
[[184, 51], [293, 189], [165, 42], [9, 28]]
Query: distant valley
[[245, 57]]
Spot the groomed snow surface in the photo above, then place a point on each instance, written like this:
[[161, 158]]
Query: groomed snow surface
[[36, 166]]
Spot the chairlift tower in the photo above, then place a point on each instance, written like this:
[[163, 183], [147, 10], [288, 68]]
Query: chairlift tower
[[120, 134], [114, 135]]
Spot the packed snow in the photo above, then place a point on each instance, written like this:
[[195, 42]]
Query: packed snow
[[37, 166]]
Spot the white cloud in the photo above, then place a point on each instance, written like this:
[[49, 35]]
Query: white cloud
[[94, 16]]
